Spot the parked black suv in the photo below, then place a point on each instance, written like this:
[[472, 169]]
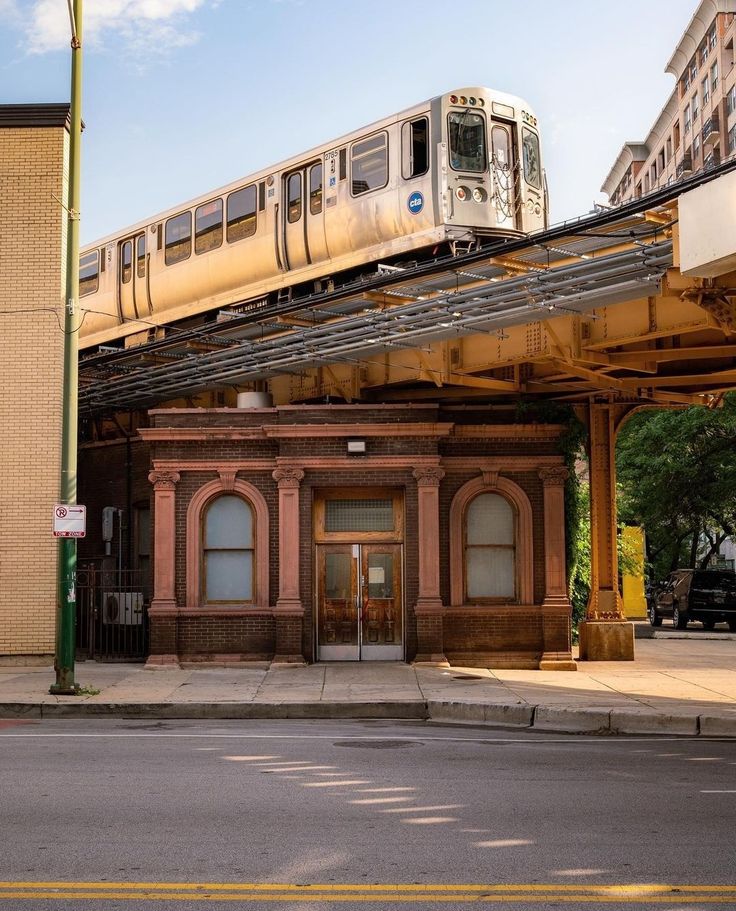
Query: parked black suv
[[693, 594]]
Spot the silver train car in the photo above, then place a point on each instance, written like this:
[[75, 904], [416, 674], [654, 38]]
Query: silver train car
[[441, 176]]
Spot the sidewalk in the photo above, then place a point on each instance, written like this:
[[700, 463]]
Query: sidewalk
[[676, 686]]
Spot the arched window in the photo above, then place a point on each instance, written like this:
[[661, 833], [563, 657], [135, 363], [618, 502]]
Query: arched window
[[513, 514], [228, 551], [490, 548]]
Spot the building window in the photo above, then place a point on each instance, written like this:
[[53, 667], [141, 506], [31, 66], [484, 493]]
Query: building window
[[693, 69], [706, 91], [732, 139], [415, 148], [208, 226], [704, 52], [228, 551], [226, 543], [669, 149], [676, 134], [369, 164], [696, 145], [491, 544], [714, 77], [712, 37], [178, 238], [490, 549], [694, 105], [686, 119], [731, 100]]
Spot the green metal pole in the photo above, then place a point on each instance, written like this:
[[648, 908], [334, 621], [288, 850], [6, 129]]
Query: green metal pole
[[66, 609]]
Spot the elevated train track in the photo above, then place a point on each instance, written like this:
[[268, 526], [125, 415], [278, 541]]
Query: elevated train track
[[597, 305]]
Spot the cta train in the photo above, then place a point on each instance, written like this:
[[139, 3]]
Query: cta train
[[443, 175]]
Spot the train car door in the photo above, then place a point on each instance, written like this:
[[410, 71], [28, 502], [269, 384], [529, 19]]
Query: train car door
[[503, 174], [132, 265], [304, 233]]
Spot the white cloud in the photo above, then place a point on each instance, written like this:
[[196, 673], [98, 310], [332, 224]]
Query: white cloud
[[142, 25]]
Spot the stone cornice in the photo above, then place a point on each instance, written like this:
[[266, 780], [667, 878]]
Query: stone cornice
[[421, 430]]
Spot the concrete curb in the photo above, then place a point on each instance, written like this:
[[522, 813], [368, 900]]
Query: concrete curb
[[543, 718]]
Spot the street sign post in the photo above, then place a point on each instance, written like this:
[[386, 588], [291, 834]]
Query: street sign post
[[70, 521]]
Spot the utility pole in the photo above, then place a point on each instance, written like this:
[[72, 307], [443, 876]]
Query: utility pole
[[66, 607]]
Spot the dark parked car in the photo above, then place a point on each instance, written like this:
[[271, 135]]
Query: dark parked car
[[694, 594]]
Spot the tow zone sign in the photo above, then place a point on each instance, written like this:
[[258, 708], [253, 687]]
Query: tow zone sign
[[70, 521]]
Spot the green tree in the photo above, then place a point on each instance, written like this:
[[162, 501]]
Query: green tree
[[677, 478]]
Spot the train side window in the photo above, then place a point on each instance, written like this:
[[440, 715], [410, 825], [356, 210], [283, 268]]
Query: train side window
[[315, 189], [294, 197], [530, 147], [414, 148], [126, 262], [241, 214], [89, 273], [178, 238], [140, 255], [369, 164], [208, 226], [467, 141]]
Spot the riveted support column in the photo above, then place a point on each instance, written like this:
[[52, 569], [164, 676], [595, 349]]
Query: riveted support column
[[556, 610], [163, 612], [289, 611], [429, 609], [604, 634]]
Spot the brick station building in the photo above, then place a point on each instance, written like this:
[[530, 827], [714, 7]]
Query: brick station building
[[344, 532]]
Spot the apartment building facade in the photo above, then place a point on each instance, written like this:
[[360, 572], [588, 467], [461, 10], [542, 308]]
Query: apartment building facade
[[34, 152], [696, 128]]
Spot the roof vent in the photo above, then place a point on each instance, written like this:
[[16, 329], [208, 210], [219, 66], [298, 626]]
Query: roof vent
[[255, 400]]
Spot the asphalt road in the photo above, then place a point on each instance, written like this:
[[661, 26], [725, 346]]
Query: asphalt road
[[121, 814]]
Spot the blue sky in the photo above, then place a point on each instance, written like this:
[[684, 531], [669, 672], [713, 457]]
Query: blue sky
[[182, 96]]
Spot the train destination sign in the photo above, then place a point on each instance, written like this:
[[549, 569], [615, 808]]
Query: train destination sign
[[70, 521]]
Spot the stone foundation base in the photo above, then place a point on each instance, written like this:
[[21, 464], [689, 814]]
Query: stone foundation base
[[606, 640]]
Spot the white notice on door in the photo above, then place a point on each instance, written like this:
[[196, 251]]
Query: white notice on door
[[376, 575]]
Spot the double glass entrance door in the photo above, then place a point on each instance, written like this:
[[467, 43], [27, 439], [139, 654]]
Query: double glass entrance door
[[359, 602]]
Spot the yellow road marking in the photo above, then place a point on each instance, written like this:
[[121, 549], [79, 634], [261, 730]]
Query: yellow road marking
[[622, 893], [433, 897]]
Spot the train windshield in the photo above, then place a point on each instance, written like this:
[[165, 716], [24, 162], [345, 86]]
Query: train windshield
[[530, 144], [467, 141]]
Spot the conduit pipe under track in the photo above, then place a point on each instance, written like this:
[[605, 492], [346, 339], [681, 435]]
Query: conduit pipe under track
[[486, 307]]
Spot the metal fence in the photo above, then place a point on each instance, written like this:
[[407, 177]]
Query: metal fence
[[112, 613]]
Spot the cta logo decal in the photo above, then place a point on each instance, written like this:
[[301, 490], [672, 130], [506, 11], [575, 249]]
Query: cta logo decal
[[415, 203]]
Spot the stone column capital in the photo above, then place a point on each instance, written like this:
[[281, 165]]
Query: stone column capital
[[164, 480], [554, 477], [288, 477], [429, 476]]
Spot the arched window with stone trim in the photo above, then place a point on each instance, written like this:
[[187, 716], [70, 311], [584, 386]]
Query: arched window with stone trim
[[489, 564], [228, 551], [227, 546], [491, 548]]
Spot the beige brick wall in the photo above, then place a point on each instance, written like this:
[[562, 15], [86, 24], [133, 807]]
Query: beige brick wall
[[32, 181]]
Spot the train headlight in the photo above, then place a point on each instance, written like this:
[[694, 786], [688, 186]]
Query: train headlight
[[453, 99], [463, 99], [462, 193], [479, 194], [471, 101]]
